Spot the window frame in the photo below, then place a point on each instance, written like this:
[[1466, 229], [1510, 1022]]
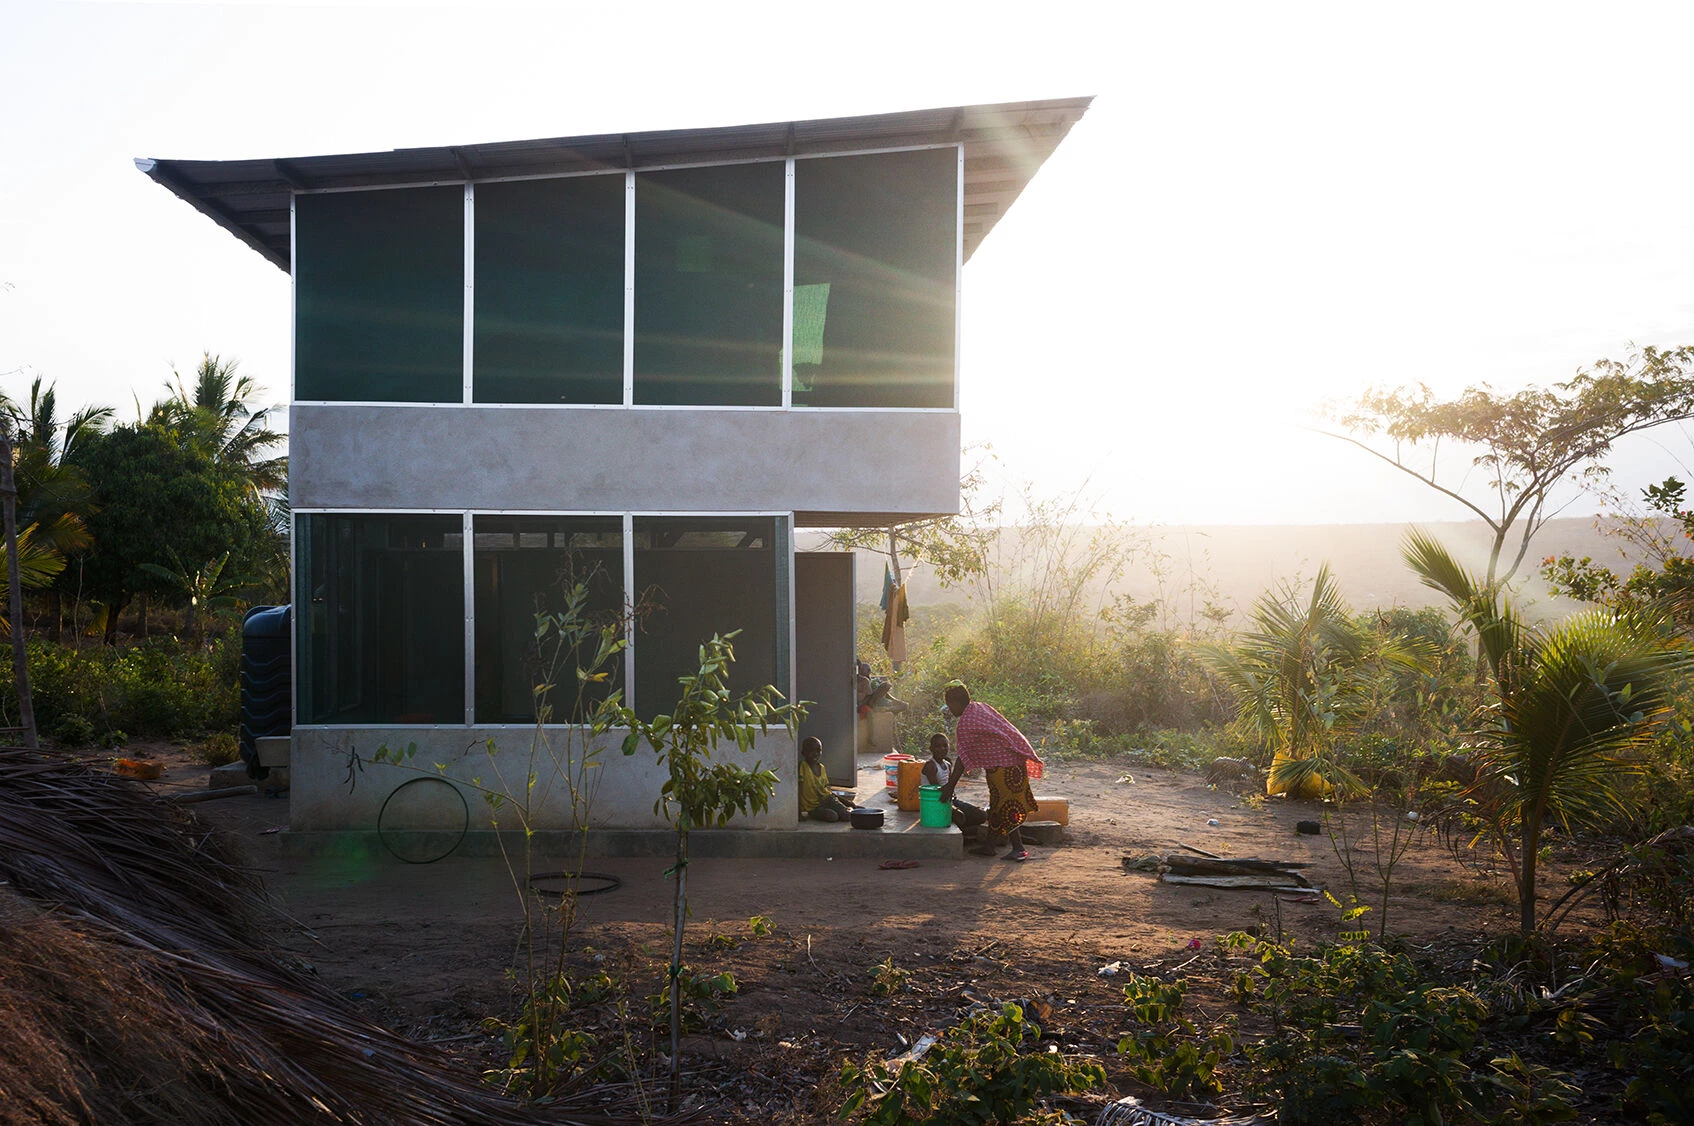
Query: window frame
[[468, 326]]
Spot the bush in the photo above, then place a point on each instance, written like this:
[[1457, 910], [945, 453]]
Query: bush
[[979, 1072], [73, 730], [160, 688], [218, 749]]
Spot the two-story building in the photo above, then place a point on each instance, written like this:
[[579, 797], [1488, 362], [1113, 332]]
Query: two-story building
[[650, 358]]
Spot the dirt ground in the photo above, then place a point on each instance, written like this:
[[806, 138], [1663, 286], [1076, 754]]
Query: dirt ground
[[426, 949]]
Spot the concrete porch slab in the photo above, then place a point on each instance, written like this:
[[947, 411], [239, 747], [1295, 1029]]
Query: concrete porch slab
[[811, 840]]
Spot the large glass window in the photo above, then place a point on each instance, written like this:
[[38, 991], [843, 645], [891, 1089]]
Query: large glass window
[[382, 633], [696, 576], [875, 269], [549, 291], [544, 564], [708, 286], [379, 295]]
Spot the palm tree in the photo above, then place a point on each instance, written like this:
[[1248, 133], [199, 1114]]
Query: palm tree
[[54, 497], [1301, 677], [218, 410], [1572, 704], [53, 494]]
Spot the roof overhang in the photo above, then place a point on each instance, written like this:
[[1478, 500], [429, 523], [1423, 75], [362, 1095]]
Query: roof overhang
[[1004, 145]]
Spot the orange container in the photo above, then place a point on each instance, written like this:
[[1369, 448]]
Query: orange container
[[911, 777], [144, 769]]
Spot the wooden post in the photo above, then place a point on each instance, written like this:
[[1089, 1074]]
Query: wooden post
[[20, 655]]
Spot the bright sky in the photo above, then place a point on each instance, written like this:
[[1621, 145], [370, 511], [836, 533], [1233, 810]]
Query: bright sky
[[1269, 205]]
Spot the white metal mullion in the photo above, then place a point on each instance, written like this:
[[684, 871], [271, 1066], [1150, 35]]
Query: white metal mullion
[[469, 555], [793, 654], [958, 273], [470, 286], [294, 624], [629, 288], [293, 295], [629, 615], [788, 284]]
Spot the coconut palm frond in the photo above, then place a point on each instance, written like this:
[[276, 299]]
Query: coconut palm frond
[[1498, 626], [1600, 687], [38, 565]]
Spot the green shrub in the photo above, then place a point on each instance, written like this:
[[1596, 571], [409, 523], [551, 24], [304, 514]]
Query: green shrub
[[978, 1073], [160, 688], [1165, 1050], [73, 730], [217, 749]]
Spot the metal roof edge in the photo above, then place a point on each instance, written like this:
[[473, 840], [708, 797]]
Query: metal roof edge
[[216, 188]]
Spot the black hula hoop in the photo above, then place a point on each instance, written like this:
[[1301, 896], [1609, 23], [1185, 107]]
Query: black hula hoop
[[607, 883], [463, 829]]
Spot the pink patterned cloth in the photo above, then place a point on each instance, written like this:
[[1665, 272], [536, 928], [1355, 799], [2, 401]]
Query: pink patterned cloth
[[987, 739]]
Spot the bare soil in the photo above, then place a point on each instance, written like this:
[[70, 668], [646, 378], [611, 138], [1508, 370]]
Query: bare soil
[[428, 949]]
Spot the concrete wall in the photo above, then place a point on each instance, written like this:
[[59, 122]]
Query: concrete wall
[[621, 458], [322, 799]]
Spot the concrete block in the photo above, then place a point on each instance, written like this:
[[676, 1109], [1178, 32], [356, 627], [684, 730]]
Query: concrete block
[[273, 749], [1042, 832]]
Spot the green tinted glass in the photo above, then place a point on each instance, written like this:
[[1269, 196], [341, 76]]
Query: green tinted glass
[[875, 272], [696, 576], [708, 286], [554, 565], [382, 635], [549, 291], [379, 296]]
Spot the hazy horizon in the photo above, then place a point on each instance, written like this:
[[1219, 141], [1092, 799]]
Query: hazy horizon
[[1267, 208]]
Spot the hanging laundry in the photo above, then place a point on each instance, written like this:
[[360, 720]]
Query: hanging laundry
[[895, 616]]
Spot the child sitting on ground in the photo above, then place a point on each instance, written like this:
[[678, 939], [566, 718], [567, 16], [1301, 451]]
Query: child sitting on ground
[[817, 801], [936, 772]]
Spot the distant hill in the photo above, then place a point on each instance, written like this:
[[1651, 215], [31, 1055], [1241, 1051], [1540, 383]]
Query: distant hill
[[1242, 561]]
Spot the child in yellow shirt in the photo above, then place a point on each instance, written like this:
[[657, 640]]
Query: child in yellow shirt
[[816, 799]]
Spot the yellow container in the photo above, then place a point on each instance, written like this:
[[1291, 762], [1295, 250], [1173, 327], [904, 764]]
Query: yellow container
[[911, 777], [1310, 788], [1052, 809]]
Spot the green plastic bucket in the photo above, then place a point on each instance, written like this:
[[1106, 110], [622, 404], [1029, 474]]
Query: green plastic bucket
[[932, 810]]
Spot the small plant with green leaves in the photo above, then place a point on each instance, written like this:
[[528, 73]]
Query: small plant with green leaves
[[760, 926], [701, 791], [1166, 1051], [888, 979], [215, 750], [697, 995], [573, 657], [986, 1069]]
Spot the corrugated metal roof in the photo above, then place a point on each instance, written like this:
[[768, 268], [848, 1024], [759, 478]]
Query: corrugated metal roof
[[1004, 145]]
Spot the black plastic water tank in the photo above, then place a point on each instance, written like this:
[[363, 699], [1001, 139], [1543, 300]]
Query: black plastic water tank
[[267, 681]]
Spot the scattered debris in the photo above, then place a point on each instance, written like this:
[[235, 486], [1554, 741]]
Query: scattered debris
[[1126, 779], [1128, 1111], [1147, 863], [1308, 828], [1110, 969], [1225, 769], [1212, 821], [1236, 873]]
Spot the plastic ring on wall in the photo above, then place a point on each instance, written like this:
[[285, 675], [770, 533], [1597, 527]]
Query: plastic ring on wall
[[464, 827]]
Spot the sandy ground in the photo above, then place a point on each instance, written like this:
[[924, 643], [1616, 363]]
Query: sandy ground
[[427, 948]]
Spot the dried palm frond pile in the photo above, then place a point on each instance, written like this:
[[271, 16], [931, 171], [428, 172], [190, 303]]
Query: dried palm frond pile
[[138, 983]]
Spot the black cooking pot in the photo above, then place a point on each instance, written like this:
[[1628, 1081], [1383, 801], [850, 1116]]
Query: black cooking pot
[[865, 818]]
